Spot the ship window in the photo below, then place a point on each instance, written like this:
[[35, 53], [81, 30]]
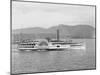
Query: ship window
[[58, 46]]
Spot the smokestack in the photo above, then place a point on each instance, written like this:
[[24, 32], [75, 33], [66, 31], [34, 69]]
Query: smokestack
[[57, 34]]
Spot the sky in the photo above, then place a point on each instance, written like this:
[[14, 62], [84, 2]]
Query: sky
[[29, 14]]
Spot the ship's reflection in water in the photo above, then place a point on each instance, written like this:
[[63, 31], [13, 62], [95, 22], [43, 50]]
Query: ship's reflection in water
[[43, 61]]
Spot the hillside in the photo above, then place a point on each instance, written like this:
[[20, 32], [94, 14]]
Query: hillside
[[78, 31]]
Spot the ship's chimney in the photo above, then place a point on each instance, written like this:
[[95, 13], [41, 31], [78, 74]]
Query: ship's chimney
[[57, 34]]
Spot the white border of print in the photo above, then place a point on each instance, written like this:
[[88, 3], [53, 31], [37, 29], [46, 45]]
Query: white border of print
[[5, 37]]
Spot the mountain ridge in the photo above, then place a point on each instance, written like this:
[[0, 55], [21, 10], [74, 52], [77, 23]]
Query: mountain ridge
[[78, 31]]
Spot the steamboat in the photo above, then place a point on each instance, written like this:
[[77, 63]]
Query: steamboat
[[51, 45]]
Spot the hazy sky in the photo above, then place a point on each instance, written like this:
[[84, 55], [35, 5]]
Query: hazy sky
[[27, 14]]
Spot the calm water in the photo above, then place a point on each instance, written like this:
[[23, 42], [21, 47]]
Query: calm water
[[42, 61]]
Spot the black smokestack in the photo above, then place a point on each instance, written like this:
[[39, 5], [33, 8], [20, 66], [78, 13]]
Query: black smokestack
[[57, 34]]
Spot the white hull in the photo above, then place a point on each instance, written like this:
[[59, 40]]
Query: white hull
[[62, 47]]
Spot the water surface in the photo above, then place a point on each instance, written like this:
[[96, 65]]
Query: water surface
[[43, 61]]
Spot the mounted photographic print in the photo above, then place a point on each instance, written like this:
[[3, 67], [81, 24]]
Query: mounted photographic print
[[52, 37]]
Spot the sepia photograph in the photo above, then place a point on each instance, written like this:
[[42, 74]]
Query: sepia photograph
[[52, 37]]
